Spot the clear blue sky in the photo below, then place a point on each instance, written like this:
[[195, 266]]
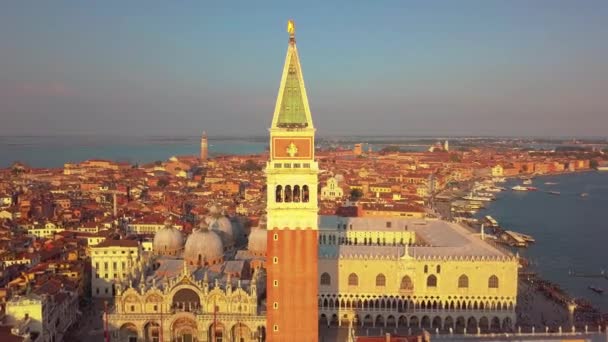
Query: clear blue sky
[[371, 67]]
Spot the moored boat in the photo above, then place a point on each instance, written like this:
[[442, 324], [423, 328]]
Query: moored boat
[[557, 193], [519, 188], [596, 289]]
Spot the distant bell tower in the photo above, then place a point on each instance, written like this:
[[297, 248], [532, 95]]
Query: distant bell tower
[[204, 147], [291, 179]]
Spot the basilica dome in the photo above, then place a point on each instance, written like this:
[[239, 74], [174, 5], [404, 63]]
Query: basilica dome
[[257, 238], [204, 247], [223, 227], [168, 240]]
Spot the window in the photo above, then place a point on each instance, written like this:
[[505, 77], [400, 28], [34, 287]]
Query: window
[[114, 265], [105, 266], [277, 165], [275, 283], [380, 280], [426, 269], [406, 283], [275, 305], [463, 282], [305, 193], [431, 281], [275, 260], [388, 224], [275, 327], [296, 193], [438, 268], [275, 237], [353, 280], [96, 265], [296, 165], [287, 165], [493, 282], [288, 193], [155, 307], [306, 165], [325, 279], [106, 290], [279, 194], [132, 308]]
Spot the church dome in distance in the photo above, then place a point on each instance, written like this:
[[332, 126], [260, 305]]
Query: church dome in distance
[[257, 241], [257, 238], [223, 227], [203, 247], [168, 240]]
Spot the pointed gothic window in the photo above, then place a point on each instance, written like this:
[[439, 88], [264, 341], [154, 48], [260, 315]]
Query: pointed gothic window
[[463, 282], [325, 279], [406, 283], [353, 279], [431, 281], [493, 282], [380, 280]]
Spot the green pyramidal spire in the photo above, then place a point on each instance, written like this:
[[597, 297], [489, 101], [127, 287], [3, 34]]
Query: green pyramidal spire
[[291, 110]]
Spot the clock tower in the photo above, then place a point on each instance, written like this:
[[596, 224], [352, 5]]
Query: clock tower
[[291, 179]]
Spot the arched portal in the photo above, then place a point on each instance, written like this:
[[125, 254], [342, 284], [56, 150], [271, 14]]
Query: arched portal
[[472, 324], [128, 332], [402, 321], [448, 323], [426, 322], [484, 324], [323, 321], [414, 322], [152, 332], [368, 321], [506, 324], [460, 324], [495, 324], [184, 330], [240, 333], [436, 323], [217, 332], [379, 321]]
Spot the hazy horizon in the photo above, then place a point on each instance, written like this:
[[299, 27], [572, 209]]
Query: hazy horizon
[[467, 68]]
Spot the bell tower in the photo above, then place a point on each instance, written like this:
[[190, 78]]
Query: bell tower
[[291, 180]]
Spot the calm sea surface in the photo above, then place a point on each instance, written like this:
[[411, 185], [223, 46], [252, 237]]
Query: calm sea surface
[[571, 231], [55, 151]]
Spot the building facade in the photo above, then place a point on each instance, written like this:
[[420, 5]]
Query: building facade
[[112, 261], [421, 273], [187, 308], [292, 210]]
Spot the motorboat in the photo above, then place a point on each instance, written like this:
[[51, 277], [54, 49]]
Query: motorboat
[[596, 289]]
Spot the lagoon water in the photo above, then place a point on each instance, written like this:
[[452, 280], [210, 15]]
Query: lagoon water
[[571, 231], [55, 151]]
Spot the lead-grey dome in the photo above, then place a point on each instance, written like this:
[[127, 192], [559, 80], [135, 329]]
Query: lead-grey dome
[[168, 240], [203, 247]]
